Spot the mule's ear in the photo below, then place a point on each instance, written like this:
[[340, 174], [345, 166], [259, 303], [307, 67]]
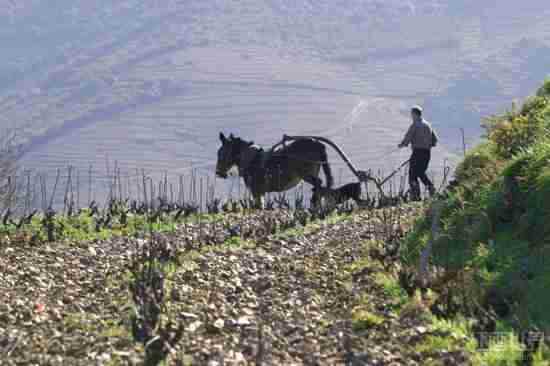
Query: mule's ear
[[223, 139]]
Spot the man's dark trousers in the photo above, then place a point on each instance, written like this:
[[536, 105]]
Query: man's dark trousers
[[418, 165]]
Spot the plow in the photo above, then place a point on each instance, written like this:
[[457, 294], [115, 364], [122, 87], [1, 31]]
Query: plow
[[363, 176]]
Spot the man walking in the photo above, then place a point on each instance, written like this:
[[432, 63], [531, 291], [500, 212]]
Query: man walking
[[422, 138]]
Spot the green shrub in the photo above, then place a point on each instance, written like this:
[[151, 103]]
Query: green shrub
[[527, 189], [517, 129], [510, 132], [480, 166], [544, 90]]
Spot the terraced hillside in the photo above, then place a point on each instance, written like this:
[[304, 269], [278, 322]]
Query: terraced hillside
[[151, 85]]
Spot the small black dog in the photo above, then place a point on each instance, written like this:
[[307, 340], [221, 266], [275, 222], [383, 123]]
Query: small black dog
[[343, 193]]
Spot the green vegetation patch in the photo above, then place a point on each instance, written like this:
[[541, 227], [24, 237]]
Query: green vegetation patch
[[88, 227], [494, 222], [363, 319], [396, 295]]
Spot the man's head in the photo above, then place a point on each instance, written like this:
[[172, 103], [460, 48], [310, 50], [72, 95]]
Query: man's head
[[416, 112]]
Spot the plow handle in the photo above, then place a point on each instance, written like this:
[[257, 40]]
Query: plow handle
[[362, 175]]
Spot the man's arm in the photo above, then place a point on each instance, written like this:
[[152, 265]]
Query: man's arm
[[435, 138], [408, 137]]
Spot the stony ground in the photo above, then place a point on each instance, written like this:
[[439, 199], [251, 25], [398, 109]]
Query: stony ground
[[304, 296]]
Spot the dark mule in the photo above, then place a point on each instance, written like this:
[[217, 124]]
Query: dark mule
[[275, 171]]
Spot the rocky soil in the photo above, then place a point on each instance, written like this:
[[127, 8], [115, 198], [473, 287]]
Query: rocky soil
[[290, 298]]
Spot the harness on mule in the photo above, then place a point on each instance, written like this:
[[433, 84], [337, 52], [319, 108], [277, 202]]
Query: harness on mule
[[257, 155], [250, 154]]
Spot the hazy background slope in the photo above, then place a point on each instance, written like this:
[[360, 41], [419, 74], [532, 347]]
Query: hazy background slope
[[151, 85]]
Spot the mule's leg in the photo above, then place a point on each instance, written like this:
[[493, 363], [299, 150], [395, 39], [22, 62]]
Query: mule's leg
[[317, 183], [326, 167], [259, 202]]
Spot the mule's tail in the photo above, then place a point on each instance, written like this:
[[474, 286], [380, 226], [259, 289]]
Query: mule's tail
[[326, 168]]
